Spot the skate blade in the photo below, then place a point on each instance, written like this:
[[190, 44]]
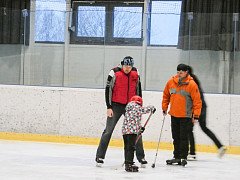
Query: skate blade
[[132, 171], [99, 164], [174, 164], [143, 165], [192, 159]]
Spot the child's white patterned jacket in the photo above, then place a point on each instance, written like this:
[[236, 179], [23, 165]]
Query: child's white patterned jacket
[[133, 116]]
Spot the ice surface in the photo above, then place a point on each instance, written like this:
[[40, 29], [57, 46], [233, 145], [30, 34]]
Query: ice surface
[[34, 160]]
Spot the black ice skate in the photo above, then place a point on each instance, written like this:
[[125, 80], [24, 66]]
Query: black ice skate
[[173, 161], [183, 162], [131, 168], [99, 162], [143, 163]]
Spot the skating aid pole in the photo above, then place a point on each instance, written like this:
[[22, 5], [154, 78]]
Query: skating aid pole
[[140, 134], [153, 165]]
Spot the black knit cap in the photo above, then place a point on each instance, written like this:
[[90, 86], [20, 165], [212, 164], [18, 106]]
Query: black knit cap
[[182, 67], [128, 60]]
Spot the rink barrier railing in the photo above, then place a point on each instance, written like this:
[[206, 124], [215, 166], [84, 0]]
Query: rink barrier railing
[[95, 141]]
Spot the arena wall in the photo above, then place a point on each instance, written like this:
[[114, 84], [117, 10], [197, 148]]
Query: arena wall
[[81, 113]]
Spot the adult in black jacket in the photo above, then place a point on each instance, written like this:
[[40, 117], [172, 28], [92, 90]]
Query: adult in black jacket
[[203, 124]]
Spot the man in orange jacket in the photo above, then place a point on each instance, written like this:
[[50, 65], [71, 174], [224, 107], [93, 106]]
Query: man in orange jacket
[[182, 93]]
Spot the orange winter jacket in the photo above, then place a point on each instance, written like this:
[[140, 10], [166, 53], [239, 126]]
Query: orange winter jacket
[[184, 98]]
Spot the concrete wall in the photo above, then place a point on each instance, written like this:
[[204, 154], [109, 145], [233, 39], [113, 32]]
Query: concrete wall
[[82, 112]]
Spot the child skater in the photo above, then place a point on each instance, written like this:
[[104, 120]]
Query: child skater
[[131, 127]]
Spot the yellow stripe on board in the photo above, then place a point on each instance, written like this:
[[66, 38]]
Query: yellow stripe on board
[[95, 141]]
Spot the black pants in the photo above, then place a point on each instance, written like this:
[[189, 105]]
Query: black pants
[[118, 111], [208, 132], [180, 130], [129, 147], [191, 141]]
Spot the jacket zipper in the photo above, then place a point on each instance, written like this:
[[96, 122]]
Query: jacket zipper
[[128, 88]]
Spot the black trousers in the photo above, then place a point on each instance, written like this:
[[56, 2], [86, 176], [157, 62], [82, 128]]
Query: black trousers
[[129, 147], [118, 111], [191, 141], [208, 132], [180, 130]]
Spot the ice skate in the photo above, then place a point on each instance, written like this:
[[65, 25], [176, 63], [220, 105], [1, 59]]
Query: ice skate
[[173, 161], [183, 162], [131, 168], [221, 151], [192, 157], [99, 162], [143, 163]]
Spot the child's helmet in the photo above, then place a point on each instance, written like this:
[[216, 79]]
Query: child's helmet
[[137, 99]]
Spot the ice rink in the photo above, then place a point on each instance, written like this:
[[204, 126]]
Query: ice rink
[[34, 160]]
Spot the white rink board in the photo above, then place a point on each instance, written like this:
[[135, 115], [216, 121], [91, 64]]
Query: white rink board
[[82, 112]]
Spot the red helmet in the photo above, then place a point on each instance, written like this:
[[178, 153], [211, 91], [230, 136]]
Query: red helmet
[[137, 99]]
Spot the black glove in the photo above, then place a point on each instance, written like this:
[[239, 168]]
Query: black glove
[[153, 110], [164, 113], [142, 129], [196, 118]]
